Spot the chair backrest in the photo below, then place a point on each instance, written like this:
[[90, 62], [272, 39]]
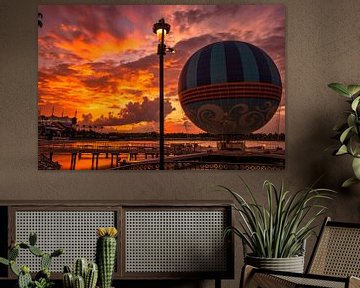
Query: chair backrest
[[337, 251]]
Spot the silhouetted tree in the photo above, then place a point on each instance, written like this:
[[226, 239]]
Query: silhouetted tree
[[40, 17]]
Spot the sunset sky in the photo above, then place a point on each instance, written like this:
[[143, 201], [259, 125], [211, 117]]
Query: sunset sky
[[100, 60]]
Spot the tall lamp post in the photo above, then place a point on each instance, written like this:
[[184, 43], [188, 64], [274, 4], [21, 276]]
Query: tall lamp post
[[161, 28]]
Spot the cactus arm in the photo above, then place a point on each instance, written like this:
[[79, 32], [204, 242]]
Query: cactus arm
[[13, 253], [23, 273], [80, 267], [105, 257], [106, 254], [45, 261], [67, 269], [57, 253], [79, 282], [91, 276], [14, 268], [68, 280], [24, 280], [36, 251], [32, 239]]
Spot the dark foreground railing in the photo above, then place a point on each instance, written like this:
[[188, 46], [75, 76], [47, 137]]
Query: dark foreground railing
[[196, 165]]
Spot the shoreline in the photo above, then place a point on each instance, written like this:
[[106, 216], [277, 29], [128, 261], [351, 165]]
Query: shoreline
[[102, 155]]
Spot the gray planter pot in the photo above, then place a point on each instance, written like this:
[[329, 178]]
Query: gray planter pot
[[291, 264]]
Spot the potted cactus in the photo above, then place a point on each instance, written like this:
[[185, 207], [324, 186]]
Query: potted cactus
[[106, 254], [42, 278], [85, 275]]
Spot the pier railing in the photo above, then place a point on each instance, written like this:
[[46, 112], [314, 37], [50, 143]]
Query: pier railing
[[115, 148], [178, 157], [200, 165]]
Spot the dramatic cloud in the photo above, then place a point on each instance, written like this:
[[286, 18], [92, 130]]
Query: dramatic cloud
[[103, 83], [101, 59], [133, 113]]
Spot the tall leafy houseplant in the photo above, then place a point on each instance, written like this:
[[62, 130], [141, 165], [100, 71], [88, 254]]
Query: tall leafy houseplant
[[349, 132], [280, 228]]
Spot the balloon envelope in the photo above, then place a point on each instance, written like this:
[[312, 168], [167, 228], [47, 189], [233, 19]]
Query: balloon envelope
[[230, 87]]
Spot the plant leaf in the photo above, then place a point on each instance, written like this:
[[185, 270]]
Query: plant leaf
[[340, 88], [345, 134], [349, 182], [279, 228], [355, 103], [354, 145], [356, 167], [351, 120], [342, 150], [353, 89]]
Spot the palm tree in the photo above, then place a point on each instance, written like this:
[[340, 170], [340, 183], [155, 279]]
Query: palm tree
[[40, 16]]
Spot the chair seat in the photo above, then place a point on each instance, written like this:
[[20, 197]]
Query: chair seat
[[255, 277], [335, 262], [315, 282]]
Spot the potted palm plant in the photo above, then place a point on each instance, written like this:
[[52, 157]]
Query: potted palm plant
[[275, 234]]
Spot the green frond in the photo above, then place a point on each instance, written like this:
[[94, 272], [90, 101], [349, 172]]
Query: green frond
[[279, 228]]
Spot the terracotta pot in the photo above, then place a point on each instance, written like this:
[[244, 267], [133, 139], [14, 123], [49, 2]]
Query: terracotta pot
[[291, 264]]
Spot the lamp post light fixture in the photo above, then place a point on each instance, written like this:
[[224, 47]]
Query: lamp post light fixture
[[161, 29]]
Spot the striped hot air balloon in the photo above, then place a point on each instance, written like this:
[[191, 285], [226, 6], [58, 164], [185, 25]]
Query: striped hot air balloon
[[230, 87]]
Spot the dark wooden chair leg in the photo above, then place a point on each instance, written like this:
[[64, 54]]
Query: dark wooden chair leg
[[217, 283]]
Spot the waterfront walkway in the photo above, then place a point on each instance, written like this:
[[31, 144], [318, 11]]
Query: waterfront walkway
[[215, 160], [178, 156], [114, 151]]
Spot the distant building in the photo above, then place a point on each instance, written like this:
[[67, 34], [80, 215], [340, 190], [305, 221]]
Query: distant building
[[64, 121], [55, 126]]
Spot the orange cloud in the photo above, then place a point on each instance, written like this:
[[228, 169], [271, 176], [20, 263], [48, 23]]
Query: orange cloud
[[105, 45]]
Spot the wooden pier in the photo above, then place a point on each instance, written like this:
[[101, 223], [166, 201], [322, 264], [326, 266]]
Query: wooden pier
[[177, 157], [114, 151]]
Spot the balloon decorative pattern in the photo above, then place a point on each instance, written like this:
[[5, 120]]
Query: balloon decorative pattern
[[230, 87]]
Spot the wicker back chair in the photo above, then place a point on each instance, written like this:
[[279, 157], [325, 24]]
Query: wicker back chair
[[335, 262]]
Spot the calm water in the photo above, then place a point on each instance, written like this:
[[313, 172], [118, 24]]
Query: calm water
[[84, 163]]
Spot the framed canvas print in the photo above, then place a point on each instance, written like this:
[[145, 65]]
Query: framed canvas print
[[161, 87]]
